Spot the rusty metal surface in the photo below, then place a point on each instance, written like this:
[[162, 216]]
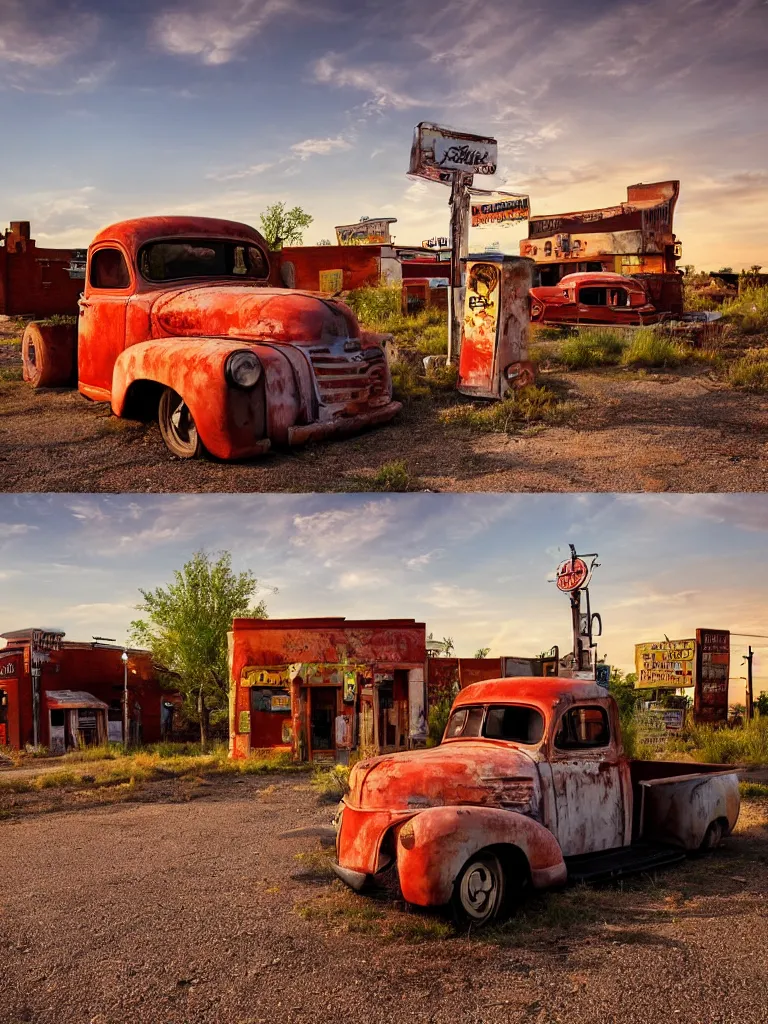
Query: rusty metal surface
[[433, 809], [322, 376], [568, 301]]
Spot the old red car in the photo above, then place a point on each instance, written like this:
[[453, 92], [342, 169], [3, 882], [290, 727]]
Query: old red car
[[593, 298], [529, 788], [177, 320]]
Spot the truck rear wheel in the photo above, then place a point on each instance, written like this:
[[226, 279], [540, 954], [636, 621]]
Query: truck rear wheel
[[713, 837], [479, 892], [177, 426], [49, 355]]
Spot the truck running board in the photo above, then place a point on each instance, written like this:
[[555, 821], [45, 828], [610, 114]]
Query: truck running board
[[626, 860]]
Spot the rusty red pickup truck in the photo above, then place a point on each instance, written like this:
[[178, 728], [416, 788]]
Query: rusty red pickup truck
[[178, 320], [530, 787]]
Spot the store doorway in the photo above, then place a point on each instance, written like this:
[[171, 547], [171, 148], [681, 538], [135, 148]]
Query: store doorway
[[4, 741], [322, 716]]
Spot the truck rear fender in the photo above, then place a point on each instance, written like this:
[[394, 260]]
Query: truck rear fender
[[433, 846], [228, 419]]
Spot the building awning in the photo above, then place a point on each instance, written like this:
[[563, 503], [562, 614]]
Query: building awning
[[74, 699]]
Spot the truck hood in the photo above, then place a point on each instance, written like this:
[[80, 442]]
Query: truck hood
[[481, 773], [251, 311]]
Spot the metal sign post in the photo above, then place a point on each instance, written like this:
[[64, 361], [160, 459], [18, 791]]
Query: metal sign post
[[453, 158], [573, 577]]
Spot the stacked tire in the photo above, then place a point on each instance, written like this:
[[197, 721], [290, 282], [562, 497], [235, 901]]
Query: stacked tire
[[49, 354]]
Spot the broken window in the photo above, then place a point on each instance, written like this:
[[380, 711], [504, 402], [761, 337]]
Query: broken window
[[514, 723], [619, 297], [593, 296], [176, 259], [582, 728], [109, 269], [547, 248]]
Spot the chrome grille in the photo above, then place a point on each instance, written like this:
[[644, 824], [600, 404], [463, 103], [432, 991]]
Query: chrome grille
[[349, 377]]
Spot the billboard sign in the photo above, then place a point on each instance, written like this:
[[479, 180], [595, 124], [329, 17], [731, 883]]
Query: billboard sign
[[665, 663], [710, 701], [372, 231], [438, 153], [504, 211]]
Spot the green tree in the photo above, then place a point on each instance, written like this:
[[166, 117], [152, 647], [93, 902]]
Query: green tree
[[185, 626], [482, 652], [760, 704], [325, 241], [284, 227]]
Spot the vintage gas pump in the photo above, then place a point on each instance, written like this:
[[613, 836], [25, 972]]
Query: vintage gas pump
[[495, 325]]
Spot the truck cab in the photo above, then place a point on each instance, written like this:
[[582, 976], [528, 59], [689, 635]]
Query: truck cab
[[529, 787], [178, 317]]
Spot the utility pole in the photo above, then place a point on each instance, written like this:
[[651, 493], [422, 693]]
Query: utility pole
[[124, 659], [749, 702]]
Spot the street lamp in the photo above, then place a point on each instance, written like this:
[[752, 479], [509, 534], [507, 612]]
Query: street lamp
[[124, 659]]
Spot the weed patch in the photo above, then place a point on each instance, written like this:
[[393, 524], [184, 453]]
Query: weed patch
[[748, 312], [651, 349], [754, 790], [379, 309], [11, 373], [391, 477], [591, 347], [331, 784], [533, 404], [750, 372], [345, 914]]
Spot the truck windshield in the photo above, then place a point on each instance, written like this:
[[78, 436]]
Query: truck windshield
[[178, 258], [513, 722]]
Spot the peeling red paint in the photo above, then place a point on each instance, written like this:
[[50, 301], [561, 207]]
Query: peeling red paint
[[550, 796], [321, 376]]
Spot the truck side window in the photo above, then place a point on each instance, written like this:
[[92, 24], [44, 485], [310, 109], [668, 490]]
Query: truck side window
[[465, 722], [582, 728], [109, 269], [515, 723]]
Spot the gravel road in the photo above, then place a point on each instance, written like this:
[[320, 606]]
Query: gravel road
[[653, 432], [187, 913]]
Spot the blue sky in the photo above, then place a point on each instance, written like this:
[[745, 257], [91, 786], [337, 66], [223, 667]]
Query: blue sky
[[475, 567], [114, 109]]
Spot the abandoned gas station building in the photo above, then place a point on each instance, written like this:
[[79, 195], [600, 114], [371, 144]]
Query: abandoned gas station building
[[60, 694], [323, 688]]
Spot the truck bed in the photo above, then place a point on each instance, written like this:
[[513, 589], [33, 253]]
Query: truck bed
[[676, 801]]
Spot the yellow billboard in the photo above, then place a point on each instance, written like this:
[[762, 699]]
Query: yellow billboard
[[665, 663]]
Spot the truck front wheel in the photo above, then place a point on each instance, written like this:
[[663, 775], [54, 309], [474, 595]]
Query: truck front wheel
[[177, 427], [479, 890]]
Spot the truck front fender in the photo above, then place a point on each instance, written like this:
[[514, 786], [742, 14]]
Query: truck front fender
[[433, 846], [232, 423]]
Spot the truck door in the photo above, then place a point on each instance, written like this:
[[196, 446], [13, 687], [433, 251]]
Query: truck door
[[587, 783], [101, 325]]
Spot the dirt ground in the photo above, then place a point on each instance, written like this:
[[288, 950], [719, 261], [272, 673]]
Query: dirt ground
[[190, 908], [680, 431]]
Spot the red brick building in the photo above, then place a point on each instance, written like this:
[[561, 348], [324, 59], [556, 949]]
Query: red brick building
[[59, 694], [323, 688]]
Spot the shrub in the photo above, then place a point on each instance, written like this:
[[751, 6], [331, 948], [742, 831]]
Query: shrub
[[590, 347], [375, 305], [748, 312], [392, 476], [10, 373], [407, 383], [751, 371], [747, 744], [650, 348], [437, 719]]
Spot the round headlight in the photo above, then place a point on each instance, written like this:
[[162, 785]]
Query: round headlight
[[243, 369]]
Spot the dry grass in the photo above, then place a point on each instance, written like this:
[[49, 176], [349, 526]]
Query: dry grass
[[344, 913], [750, 371], [533, 404]]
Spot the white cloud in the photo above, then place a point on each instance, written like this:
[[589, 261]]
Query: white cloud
[[37, 42], [420, 561], [245, 172], [215, 33], [452, 596], [15, 529], [374, 79], [319, 147], [334, 533]]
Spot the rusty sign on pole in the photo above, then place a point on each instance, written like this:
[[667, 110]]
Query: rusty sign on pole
[[573, 577], [453, 158], [713, 662], [665, 663]]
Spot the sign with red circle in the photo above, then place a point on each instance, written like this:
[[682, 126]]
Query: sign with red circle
[[572, 574]]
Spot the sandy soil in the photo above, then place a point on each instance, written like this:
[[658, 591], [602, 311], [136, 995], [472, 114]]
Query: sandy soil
[[653, 432], [193, 910]]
